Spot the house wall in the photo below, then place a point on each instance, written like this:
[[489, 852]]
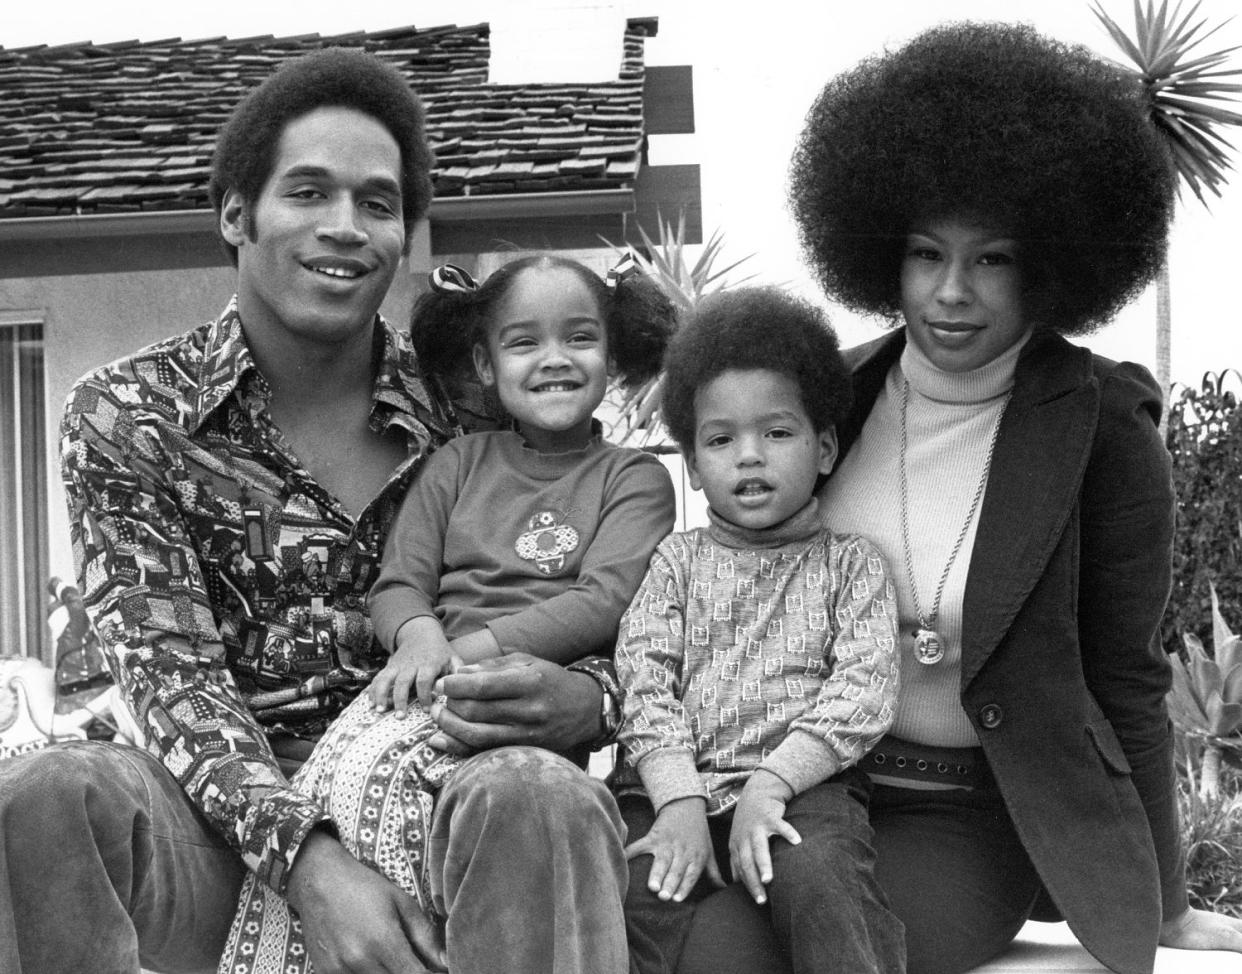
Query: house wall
[[104, 297]]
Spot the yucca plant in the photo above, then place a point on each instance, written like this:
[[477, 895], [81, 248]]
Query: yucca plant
[[1212, 829], [666, 261], [1205, 702], [1186, 95]]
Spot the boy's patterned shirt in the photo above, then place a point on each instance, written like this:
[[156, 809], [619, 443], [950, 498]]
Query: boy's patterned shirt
[[230, 586], [736, 656]]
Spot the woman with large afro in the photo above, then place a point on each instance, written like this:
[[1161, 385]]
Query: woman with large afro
[[991, 191]]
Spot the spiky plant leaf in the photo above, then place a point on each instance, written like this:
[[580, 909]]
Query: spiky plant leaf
[[664, 260], [1189, 712], [1180, 88]]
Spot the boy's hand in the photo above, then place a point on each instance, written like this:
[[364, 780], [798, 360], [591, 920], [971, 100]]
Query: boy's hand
[[759, 815], [681, 847], [421, 657]]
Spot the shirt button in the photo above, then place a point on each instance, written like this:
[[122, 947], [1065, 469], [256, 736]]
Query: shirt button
[[990, 716]]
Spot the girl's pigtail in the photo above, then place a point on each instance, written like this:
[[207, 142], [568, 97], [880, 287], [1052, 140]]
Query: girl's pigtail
[[442, 323], [641, 320]]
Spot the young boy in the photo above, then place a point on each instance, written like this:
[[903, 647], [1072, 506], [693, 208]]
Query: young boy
[[758, 657]]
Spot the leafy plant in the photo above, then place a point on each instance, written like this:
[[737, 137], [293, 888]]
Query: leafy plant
[[1205, 702], [666, 261], [1205, 441], [1185, 97], [1212, 832]]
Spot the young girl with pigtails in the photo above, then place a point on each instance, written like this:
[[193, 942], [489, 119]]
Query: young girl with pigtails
[[532, 538], [528, 539]]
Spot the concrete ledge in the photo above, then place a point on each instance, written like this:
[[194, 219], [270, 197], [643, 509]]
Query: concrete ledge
[[1050, 948]]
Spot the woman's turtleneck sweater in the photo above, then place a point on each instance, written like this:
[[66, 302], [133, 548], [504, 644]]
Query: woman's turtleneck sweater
[[951, 419]]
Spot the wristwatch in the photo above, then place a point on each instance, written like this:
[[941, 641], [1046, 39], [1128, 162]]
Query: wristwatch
[[609, 712], [610, 708]]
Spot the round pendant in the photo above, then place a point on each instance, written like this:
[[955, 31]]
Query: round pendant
[[928, 646]]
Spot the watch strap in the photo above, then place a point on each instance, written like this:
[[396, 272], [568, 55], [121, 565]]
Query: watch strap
[[602, 671]]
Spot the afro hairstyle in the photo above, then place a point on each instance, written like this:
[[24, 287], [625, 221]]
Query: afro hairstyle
[[750, 328], [999, 126], [332, 77], [638, 318]]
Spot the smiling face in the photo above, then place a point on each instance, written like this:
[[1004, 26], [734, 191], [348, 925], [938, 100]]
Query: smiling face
[[961, 294], [547, 357], [756, 455], [319, 246]]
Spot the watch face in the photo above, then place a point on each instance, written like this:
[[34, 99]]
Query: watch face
[[610, 712]]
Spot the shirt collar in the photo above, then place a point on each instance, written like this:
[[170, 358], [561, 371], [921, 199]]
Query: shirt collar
[[795, 529], [399, 393], [226, 358]]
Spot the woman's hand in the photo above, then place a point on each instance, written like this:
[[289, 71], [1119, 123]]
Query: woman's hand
[[515, 699], [760, 814], [681, 849], [1202, 930]]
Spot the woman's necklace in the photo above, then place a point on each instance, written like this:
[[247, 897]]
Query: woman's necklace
[[928, 643]]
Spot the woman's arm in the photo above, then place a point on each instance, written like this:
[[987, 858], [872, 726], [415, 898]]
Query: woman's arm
[[1127, 513], [1127, 537]]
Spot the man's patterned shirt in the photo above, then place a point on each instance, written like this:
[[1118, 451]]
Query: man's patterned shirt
[[230, 586]]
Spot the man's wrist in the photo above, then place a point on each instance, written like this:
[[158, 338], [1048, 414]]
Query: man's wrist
[[315, 845], [613, 697]]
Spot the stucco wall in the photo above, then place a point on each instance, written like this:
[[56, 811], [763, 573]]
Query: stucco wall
[[101, 298]]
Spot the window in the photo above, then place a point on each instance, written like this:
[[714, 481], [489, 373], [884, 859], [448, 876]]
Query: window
[[23, 486]]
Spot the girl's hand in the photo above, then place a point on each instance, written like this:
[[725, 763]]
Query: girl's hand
[[681, 847], [1202, 930], [421, 657], [759, 815]]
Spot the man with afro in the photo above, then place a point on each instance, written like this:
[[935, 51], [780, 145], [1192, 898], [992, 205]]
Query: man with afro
[[230, 490]]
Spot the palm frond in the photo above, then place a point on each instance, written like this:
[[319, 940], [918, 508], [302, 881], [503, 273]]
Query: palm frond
[[664, 259], [1184, 92]]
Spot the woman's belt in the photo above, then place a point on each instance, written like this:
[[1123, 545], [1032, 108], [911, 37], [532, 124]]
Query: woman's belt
[[961, 767]]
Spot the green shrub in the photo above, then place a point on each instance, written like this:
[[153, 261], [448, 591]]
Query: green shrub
[[1205, 439], [1212, 831]]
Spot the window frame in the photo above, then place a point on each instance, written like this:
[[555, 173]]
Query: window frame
[[24, 486]]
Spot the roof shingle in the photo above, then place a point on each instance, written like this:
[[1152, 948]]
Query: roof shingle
[[129, 126]]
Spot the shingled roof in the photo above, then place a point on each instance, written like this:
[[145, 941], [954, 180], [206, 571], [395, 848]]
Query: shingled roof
[[129, 127]]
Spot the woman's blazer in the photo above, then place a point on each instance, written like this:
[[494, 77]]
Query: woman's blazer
[[1063, 674]]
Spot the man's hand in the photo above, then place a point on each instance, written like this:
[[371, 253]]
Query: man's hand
[[422, 654], [1202, 930], [515, 699], [759, 815], [681, 848], [354, 920]]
